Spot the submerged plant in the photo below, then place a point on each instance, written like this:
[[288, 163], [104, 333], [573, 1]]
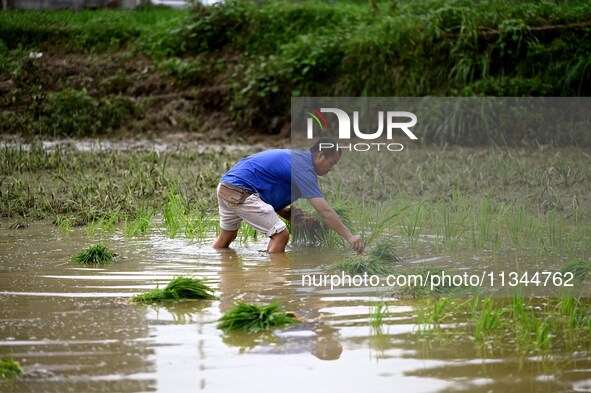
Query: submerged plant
[[360, 265], [94, 255], [384, 251], [179, 288], [9, 368], [253, 318]]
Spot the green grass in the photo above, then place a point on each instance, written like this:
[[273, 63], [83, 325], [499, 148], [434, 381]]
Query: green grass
[[94, 255], [254, 318], [9, 368], [180, 288]]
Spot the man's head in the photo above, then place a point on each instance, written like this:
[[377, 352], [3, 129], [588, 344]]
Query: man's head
[[325, 155]]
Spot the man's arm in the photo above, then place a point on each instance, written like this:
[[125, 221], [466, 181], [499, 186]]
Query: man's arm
[[334, 222]]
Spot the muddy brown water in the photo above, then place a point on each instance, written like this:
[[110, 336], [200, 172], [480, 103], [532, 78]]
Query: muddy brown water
[[73, 328]]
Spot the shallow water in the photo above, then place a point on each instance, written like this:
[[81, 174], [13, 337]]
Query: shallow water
[[73, 329]]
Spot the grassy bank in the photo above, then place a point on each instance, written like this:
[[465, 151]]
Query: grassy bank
[[238, 64]]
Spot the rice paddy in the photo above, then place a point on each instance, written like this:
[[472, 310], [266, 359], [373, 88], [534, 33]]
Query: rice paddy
[[517, 326], [510, 212]]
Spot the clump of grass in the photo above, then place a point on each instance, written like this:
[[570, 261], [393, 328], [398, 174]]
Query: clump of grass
[[94, 255], [384, 251], [179, 288], [9, 368], [580, 269], [360, 265], [253, 318]]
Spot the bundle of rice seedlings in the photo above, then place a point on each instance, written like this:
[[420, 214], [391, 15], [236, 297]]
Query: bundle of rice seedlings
[[254, 318], [384, 251], [360, 265], [579, 269], [179, 288], [94, 255], [308, 229], [9, 368]]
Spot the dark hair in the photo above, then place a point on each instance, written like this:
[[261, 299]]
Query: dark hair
[[328, 151]]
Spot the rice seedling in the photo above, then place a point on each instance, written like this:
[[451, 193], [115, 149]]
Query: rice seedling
[[515, 221], [453, 227], [140, 224], [482, 225], [411, 228], [198, 223], [178, 289], [94, 255], [360, 265], [374, 225], [62, 222], [246, 232], [384, 251], [254, 318], [9, 368], [579, 269], [174, 214], [377, 314], [488, 317]]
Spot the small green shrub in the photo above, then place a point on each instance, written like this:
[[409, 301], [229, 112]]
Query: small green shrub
[[73, 112], [179, 288], [253, 318], [94, 255]]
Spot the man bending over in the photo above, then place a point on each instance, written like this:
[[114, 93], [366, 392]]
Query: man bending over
[[261, 187]]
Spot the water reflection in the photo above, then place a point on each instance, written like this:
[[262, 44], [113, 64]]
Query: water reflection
[[75, 327], [269, 280]]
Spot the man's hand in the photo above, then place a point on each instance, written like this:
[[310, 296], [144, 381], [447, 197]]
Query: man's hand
[[357, 244]]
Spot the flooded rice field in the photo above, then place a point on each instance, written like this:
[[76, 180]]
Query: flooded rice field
[[74, 329]]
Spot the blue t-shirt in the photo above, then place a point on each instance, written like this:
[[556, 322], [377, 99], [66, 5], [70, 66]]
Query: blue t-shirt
[[279, 176]]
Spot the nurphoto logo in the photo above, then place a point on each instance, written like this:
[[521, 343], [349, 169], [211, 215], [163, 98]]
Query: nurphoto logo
[[391, 121]]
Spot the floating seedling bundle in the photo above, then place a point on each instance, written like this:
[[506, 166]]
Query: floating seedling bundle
[[94, 255], [178, 289], [9, 368], [254, 318]]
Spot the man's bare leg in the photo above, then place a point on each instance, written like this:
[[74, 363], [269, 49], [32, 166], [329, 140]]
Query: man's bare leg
[[225, 239], [278, 242]]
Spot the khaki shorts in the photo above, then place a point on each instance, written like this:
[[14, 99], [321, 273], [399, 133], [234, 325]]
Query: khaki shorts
[[257, 213]]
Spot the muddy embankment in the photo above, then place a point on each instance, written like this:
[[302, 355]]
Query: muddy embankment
[[231, 70]]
